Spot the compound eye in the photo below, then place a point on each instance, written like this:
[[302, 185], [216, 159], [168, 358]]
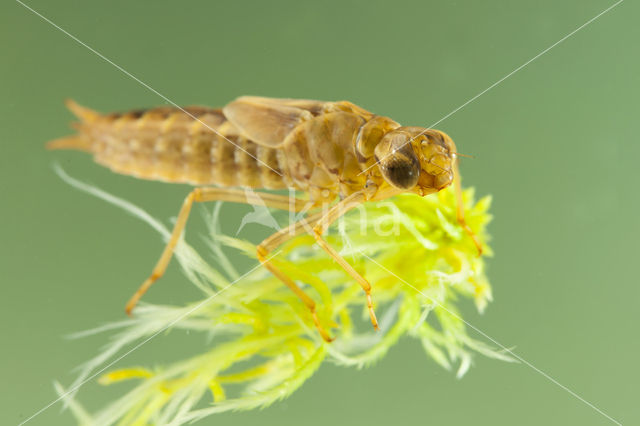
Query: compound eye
[[398, 163], [400, 171]]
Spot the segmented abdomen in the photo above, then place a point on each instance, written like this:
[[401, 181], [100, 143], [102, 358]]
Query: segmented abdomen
[[198, 146]]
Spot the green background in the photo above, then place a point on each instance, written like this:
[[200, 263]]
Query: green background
[[556, 144]]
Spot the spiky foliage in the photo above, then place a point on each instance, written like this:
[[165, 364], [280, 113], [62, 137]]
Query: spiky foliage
[[263, 345]]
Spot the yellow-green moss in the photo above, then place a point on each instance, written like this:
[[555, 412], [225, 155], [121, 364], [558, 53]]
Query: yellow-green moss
[[420, 271]]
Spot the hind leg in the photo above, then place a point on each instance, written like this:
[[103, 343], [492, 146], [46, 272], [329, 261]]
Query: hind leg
[[210, 194]]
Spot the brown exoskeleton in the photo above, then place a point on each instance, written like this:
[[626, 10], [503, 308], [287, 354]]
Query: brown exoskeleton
[[330, 150]]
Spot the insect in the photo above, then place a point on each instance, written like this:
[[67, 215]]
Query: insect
[[338, 153]]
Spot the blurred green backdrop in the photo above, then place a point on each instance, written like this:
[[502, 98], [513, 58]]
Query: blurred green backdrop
[[556, 145]]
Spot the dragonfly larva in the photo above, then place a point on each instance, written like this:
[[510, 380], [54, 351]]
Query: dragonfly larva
[[338, 153]]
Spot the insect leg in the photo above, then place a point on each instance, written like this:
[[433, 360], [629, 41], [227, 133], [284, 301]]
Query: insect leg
[[275, 240], [210, 194], [321, 227], [457, 182]]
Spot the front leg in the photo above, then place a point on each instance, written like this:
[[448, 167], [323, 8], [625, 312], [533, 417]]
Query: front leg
[[457, 187]]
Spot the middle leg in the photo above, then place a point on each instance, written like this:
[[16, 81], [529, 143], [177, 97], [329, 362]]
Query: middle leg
[[321, 227], [271, 243]]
